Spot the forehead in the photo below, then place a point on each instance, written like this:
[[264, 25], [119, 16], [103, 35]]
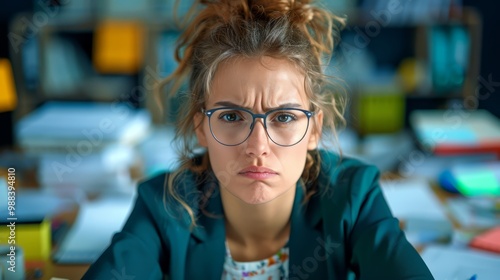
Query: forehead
[[258, 82]]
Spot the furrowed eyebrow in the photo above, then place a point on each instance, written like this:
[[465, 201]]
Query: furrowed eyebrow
[[231, 104]]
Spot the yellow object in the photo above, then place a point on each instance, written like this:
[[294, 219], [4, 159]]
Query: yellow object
[[382, 112], [8, 97], [411, 74], [118, 47], [33, 238]]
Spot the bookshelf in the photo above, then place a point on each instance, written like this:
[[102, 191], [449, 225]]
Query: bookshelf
[[408, 31], [423, 58]]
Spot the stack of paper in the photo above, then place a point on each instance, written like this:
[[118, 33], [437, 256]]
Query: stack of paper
[[86, 125], [83, 146], [107, 169], [413, 202]]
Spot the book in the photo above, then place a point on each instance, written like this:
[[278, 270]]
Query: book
[[489, 241], [119, 47], [448, 132]]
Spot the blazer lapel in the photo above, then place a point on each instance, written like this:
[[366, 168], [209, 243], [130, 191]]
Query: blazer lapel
[[307, 254], [206, 248]]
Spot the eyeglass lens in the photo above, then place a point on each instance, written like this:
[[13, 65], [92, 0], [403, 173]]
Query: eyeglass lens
[[284, 127]]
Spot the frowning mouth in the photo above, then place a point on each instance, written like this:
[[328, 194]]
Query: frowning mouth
[[257, 172]]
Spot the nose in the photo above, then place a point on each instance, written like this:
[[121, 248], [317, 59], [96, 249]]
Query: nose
[[257, 143]]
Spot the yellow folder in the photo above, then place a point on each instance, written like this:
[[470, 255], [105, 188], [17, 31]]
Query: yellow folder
[[8, 97], [33, 237], [118, 47]]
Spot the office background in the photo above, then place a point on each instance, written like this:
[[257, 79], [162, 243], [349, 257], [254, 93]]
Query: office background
[[410, 68]]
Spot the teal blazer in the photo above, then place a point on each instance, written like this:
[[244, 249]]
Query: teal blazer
[[346, 231]]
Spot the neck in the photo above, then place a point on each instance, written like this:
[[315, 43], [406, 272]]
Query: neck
[[257, 223]]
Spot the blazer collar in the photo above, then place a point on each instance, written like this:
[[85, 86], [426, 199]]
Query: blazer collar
[[211, 220], [210, 237]]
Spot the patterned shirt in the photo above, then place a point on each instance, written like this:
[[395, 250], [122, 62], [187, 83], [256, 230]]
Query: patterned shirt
[[272, 268]]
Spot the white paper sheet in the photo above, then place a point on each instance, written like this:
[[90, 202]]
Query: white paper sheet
[[413, 201], [93, 229], [412, 198], [461, 263]]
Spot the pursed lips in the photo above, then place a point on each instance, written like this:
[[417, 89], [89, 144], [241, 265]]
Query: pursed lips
[[257, 169], [258, 172]]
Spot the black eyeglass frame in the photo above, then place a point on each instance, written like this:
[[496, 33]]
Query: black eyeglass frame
[[210, 112]]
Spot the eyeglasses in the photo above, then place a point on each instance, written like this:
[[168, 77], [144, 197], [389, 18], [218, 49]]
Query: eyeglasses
[[232, 126]]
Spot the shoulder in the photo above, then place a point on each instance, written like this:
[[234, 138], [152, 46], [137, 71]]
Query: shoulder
[[150, 192], [346, 176], [347, 187], [157, 196], [152, 185], [341, 170]]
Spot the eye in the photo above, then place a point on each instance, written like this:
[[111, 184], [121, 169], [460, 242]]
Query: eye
[[230, 117], [285, 117]]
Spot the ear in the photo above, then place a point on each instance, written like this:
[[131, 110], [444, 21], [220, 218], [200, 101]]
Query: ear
[[199, 129], [317, 124]]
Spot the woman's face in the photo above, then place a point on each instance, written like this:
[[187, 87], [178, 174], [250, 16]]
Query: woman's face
[[257, 170]]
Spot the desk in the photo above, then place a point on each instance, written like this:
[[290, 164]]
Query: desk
[[67, 271], [423, 209], [91, 227], [51, 269]]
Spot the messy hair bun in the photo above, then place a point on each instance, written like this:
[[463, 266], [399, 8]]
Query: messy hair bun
[[224, 29], [315, 23], [319, 26]]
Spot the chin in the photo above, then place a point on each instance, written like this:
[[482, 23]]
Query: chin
[[257, 200], [254, 195]]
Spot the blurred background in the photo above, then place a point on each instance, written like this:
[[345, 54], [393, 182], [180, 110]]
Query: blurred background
[[81, 126]]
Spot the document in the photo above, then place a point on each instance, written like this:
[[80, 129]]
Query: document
[[461, 263], [93, 229], [413, 202]]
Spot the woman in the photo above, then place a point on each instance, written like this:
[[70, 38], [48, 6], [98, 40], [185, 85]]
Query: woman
[[262, 201]]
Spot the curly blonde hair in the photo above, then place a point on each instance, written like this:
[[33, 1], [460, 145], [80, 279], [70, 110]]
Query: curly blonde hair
[[225, 29]]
